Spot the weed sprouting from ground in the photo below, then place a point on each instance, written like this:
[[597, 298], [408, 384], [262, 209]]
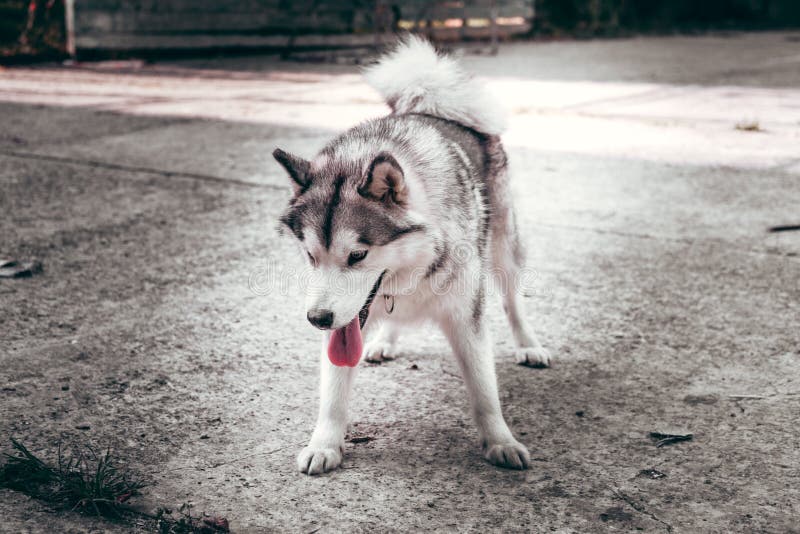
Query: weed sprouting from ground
[[95, 484], [84, 480]]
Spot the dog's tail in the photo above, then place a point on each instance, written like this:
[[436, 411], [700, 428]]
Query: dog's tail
[[414, 78]]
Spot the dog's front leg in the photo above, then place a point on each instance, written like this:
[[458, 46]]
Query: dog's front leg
[[473, 350], [324, 451]]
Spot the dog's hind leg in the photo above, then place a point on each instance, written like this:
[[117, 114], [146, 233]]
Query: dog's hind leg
[[382, 346], [508, 259], [473, 351], [325, 449]]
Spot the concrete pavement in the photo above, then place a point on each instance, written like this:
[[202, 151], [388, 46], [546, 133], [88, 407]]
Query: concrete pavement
[[150, 195]]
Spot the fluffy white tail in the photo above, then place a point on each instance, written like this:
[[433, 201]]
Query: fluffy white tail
[[414, 78]]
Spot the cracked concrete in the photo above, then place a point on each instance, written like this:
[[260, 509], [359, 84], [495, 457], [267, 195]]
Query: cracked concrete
[[640, 508], [151, 197]]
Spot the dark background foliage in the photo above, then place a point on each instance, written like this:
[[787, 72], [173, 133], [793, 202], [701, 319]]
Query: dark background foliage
[[31, 28], [610, 17]]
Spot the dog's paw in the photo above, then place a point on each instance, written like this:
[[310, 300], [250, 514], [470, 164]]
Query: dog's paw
[[533, 357], [379, 350], [318, 460], [511, 455]]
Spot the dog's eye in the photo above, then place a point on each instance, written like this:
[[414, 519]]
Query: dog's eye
[[356, 256]]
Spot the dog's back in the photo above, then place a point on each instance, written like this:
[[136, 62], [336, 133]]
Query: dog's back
[[396, 206]]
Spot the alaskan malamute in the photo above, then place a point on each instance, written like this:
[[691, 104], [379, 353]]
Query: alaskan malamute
[[407, 219]]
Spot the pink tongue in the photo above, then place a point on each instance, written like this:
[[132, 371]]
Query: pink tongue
[[346, 345]]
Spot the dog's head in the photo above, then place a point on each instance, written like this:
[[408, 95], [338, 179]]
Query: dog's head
[[354, 221]]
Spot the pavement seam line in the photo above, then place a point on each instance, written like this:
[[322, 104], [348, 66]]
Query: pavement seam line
[[639, 508], [171, 122], [666, 239], [132, 168]]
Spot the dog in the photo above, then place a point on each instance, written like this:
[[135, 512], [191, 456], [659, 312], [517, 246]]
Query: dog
[[403, 219]]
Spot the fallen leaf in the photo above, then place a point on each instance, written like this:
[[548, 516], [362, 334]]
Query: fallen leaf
[[668, 438], [19, 269]]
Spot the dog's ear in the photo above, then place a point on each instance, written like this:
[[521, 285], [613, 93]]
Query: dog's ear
[[296, 167], [385, 180]]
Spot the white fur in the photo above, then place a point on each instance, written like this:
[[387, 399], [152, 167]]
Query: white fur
[[414, 78], [324, 450], [383, 345], [473, 352]]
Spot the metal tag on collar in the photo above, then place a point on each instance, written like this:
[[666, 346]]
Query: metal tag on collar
[[388, 303]]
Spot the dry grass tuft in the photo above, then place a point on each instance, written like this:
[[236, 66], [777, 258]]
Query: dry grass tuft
[[748, 126], [85, 481], [93, 483]]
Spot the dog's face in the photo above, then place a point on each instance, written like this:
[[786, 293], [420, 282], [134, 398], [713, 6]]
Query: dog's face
[[352, 221]]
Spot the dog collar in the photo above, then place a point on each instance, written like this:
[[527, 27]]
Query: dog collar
[[388, 304]]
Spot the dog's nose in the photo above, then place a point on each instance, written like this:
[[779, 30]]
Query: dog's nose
[[320, 318]]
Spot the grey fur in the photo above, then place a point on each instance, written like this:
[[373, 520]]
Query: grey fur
[[332, 200], [478, 306], [296, 167], [380, 223], [442, 257], [473, 193], [430, 184]]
